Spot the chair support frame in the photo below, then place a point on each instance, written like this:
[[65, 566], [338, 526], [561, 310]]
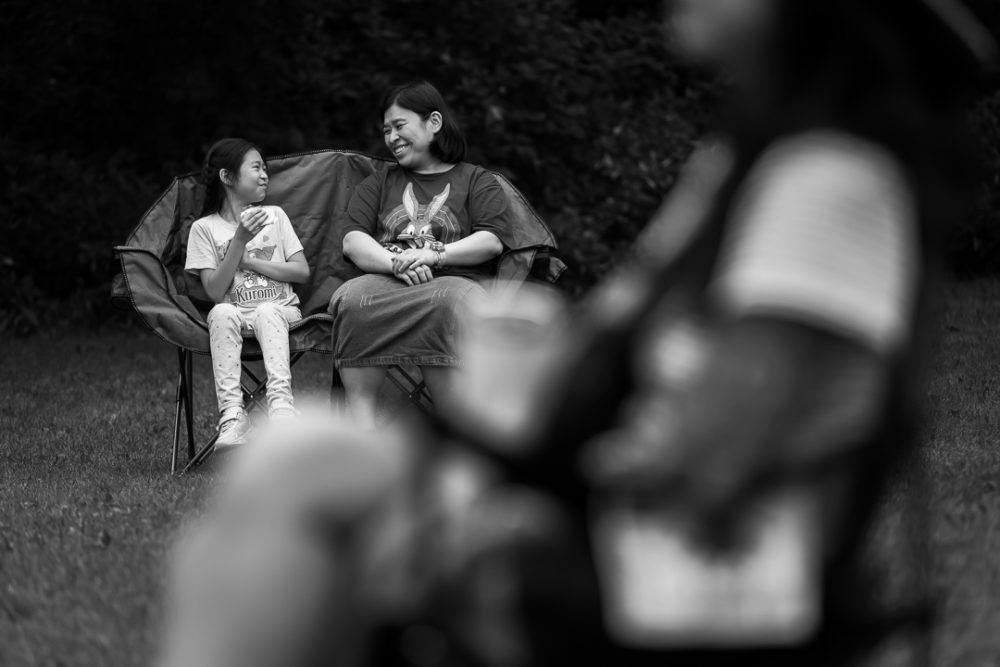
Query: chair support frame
[[254, 394]]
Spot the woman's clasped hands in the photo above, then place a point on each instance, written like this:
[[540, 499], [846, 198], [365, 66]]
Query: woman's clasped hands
[[413, 266]]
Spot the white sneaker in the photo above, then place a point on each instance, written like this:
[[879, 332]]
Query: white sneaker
[[285, 413], [233, 430]]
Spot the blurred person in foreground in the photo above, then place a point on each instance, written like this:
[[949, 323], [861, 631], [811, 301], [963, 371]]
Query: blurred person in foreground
[[681, 470]]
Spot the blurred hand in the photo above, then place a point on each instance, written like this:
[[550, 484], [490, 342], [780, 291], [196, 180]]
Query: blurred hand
[[641, 455], [654, 455]]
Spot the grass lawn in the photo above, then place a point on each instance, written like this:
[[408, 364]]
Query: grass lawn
[[88, 508]]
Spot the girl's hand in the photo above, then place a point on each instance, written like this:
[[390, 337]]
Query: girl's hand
[[412, 259], [252, 221], [417, 276]]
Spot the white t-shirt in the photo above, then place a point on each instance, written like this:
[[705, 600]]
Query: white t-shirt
[[825, 232], [210, 238]]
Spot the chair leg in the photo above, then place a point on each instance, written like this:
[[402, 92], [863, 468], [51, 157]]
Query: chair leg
[[179, 401], [201, 456], [416, 394], [253, 389], [189, 402], [337, 391]]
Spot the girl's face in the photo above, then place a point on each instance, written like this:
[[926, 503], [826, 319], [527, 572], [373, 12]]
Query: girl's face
[[409, 136], [727, 33], [249, 185]]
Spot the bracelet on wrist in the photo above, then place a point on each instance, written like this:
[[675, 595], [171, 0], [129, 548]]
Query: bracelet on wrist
[[438, 249]]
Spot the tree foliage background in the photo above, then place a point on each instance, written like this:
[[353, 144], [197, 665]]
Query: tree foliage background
[[579, 102]]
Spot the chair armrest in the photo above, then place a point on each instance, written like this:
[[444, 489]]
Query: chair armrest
[[519, 265], [154, 297]]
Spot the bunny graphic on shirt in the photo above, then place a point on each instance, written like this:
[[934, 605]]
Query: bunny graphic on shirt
[[420, 232]]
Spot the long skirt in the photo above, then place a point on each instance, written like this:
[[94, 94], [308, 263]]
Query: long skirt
[[381, 321]]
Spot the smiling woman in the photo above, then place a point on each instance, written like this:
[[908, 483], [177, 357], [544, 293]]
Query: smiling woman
[[426, 232], [413, 142]]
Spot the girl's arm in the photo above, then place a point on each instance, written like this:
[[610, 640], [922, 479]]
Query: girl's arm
[[217, 281], [367, 253], [476, 248], [293, 270]]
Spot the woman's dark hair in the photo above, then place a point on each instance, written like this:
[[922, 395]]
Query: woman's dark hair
[[422, 98], [225, 154]]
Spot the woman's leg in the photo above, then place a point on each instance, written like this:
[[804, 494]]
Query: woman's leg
[[361, 387], [226, 343], [439, 381], [270, 326]]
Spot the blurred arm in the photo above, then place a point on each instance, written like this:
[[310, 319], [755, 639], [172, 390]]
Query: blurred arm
[[770, 393], [813, 297]]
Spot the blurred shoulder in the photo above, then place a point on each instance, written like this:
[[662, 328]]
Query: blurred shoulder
[[829, 159]]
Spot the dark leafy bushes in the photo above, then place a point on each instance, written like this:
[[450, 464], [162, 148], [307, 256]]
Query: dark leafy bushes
[[586, 111]]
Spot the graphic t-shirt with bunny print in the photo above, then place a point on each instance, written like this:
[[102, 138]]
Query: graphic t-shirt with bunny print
[[402, 209], [210, 238]]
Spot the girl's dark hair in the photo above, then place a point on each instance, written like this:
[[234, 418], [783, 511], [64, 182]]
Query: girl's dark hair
[[422, 98], [225, 154]]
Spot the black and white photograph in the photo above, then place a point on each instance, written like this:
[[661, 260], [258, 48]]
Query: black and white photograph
[[500, 333]]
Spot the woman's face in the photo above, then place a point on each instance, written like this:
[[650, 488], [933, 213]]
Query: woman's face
[[726, 33], [409, 137], [250, 184]]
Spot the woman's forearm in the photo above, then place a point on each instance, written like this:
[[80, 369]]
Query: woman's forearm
[[367, 253], [475, 249]]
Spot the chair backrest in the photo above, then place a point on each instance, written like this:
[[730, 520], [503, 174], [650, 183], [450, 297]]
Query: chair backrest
[[314, 190]]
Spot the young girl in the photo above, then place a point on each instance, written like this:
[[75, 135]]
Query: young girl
[[425, 232], [246, 255]]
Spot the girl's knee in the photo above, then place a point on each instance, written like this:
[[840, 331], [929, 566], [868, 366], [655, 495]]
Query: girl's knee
[[224, 313], [269, 313]]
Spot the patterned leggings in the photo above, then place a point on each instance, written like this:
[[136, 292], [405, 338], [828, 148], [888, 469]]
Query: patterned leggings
[[269, 324]]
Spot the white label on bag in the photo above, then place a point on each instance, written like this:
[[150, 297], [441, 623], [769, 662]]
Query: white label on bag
[[661, 590]]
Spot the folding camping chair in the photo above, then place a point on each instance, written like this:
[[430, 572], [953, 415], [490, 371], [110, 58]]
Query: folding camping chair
[[314, 189]]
